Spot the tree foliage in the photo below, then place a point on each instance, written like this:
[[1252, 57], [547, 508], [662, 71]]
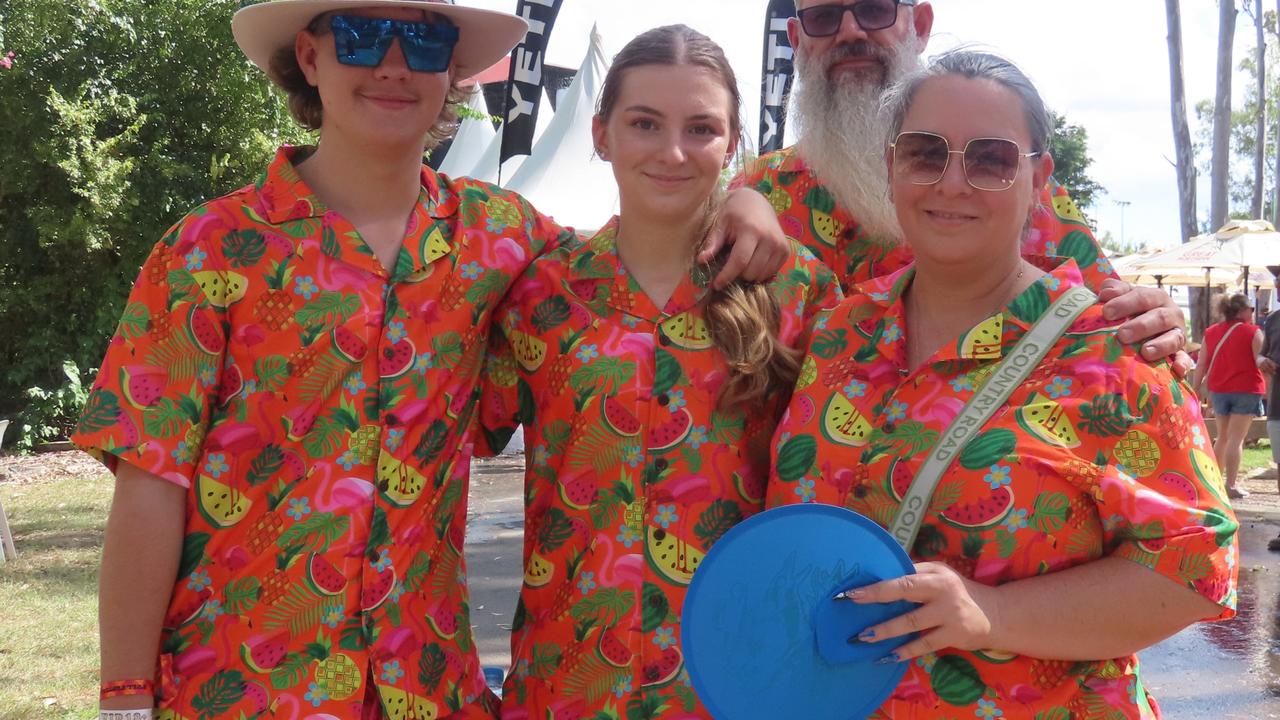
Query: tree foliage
[[1243, 134], [1069, 145], [116, 117]]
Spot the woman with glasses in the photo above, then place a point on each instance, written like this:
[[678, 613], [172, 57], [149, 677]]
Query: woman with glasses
[[1229, 367], [1052, 481]]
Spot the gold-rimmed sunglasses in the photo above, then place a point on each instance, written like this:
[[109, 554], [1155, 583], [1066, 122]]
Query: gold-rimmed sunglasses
[[990, 164]]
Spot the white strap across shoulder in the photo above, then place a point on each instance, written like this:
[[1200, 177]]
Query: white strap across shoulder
[[1012, 371]]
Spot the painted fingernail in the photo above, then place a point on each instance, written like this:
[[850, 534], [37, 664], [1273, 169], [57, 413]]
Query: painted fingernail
[[867, 636], [890, 659]]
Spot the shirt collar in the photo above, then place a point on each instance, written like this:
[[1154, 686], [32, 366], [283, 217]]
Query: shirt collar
[[596, 274], [988, 340], [287, 198]]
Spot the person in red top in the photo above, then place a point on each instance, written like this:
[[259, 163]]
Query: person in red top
[[1229, 366]]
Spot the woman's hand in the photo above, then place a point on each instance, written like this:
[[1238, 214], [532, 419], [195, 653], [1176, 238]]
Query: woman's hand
[[1154, 319], [954, 612], [750, 224]]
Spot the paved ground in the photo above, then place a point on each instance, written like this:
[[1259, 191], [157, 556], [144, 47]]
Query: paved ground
[[1227, 670]]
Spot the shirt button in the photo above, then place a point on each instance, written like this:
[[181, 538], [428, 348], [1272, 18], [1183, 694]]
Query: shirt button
[[889, 427], [664, 399], [660, 464]]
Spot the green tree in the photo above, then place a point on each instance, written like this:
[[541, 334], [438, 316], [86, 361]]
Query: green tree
[[116, 117], [1070, 147], [1240, 185]]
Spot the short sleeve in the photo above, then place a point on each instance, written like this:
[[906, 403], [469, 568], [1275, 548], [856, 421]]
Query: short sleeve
[[155, 391], [1059, 229], [1158, 490]]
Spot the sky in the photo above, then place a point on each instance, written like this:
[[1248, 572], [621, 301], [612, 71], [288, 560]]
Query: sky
[[1105, 67]]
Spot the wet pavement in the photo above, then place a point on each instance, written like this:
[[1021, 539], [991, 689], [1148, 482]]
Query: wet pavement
[[1228, 670]]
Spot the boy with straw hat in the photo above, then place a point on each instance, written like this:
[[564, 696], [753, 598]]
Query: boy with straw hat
[[287, 401]]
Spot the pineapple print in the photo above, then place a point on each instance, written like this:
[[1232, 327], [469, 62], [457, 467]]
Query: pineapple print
[[339, 676], [302, 360], [1047, 674], [1174, 429], [839, 372], [276, 584], [561, 368], [275, 307], [1138, 453], [264, 532], [1081, 511], [158, 271], [161, 325], [455, 293], [779, 199], [363, 444]]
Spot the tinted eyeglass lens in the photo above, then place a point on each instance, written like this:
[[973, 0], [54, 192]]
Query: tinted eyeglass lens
[[360, 41], [875, 14], [428, 47], [920, 158], [991, 163], [824, 20], [364, 41]]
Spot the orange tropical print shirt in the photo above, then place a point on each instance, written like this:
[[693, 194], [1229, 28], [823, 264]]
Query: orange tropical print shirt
[[632, 473], [1098, 454], [810, 215], [318, 409]]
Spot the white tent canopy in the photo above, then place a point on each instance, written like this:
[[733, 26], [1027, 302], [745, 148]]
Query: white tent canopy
[[470, 141], [563, 178], [1241, 247]]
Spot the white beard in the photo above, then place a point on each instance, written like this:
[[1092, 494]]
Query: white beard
[[843, 133]]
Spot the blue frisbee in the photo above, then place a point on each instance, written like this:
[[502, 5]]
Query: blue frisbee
[[762, 633]]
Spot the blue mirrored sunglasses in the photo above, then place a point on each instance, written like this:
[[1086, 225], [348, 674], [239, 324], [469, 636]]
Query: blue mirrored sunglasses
[[364, 41]]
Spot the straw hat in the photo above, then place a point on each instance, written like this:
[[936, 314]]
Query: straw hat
[[484, 36]]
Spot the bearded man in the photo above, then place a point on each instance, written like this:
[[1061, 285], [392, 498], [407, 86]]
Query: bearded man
[[831, 191], [831, 188]]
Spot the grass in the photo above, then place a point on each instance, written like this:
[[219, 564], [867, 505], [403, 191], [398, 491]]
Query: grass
[[1257, 456], [49, 626]]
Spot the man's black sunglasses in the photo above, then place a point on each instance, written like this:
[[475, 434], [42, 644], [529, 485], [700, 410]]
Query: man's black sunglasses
[[824, 20]]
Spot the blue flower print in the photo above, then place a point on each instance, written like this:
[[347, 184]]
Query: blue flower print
[[622, 688], [1197, 437], [494, 225], [1059, 387], [897, 411], [384, 560], [423, 363], [208, 375], [316, 694], [305, 286], [697, 436], [391, 672], [472, 270], [195, 259], [1104, 266], [855, 389], [998, 475], [332, 617], [987, 710], [212, 610], [299, 508], [632, 455], [892, 333], [805, 490], [677, 400], [395, 438], [215, 465], [1016, 520], [587, 353], [347, 460], [180, 453], [666, 515], [354, 383], [628, 536], [962, 383], [1051, 282], [587, 582], [541, 455], [395, 331], [1051, 248], [664, 637], [199, 581]]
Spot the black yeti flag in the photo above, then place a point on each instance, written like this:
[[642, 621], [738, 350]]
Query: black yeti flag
[[524, 83], [776, 75]]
